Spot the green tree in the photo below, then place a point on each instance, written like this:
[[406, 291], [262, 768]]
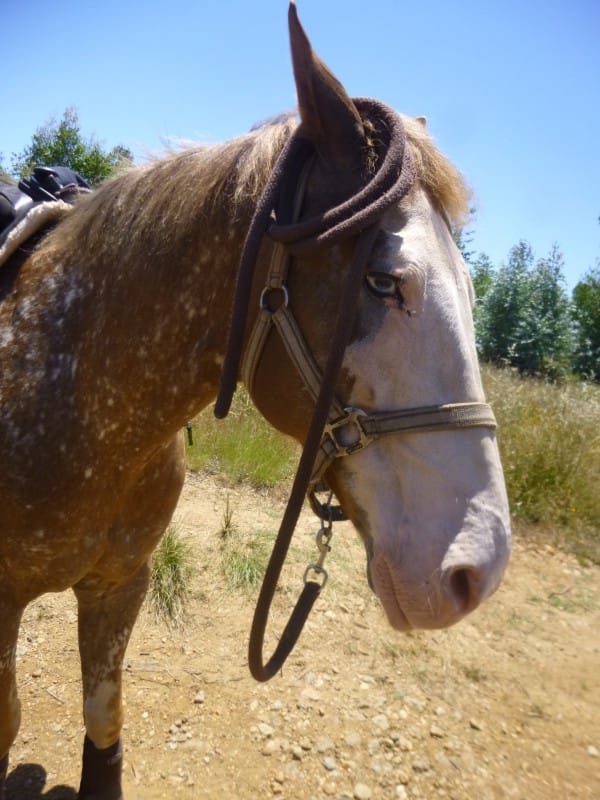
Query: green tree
[[464, 238], [524, 313], [4, 176], [483, 277], [543, 335], [586, 315], [503, 307], [62, 144]]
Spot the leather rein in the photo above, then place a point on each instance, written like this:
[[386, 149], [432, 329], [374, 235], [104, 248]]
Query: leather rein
[[335, 430]]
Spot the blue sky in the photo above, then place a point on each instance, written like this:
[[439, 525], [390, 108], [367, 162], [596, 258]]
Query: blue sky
[[510, 89]]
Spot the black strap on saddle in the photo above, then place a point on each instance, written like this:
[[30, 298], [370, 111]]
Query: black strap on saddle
[[44, 184], [53, 183]]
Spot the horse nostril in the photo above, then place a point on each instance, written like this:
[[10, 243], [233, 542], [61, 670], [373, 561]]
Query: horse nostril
[[464, 588]]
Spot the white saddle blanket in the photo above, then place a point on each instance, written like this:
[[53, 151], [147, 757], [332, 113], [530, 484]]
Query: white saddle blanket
[[36, 217]]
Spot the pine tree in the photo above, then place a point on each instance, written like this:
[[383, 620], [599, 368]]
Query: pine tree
[[503, 307], [483, 277], [524, 318], [586, 315], [544, 334]]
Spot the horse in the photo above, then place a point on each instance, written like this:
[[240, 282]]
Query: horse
[[116, 327]]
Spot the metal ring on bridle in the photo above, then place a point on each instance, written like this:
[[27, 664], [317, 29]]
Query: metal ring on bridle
[[266, 291]]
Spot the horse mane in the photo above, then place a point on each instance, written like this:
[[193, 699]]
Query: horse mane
[[176, 195]]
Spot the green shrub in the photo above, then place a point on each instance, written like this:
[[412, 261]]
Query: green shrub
[[170, 576], [245, 560]]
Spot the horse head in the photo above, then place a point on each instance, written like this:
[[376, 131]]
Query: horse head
[[429, 503]]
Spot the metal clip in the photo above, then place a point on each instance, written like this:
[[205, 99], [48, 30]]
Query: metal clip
[[323, 539]]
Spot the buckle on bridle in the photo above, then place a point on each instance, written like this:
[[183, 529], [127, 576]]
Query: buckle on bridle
[[351, 421]]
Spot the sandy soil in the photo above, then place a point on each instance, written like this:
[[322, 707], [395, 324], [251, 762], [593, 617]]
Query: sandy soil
[[505, 705]]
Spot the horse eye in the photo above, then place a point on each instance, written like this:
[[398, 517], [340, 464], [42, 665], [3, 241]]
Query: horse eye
[[382, 284]]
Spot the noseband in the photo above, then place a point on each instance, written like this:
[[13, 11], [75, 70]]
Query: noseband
[[335, 430]]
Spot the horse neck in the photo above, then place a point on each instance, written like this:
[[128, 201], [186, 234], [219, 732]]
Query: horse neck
[[153, 333]]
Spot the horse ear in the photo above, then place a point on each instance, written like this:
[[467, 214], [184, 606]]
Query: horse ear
[[329, 118]]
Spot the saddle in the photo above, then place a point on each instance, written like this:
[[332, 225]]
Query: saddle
[[40, 199]]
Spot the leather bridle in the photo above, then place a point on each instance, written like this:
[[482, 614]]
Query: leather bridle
[[348, 429], [335, 430]]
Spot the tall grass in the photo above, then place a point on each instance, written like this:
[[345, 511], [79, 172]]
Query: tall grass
[[243, 558], [244, 447], [549, 437], [170, 576]]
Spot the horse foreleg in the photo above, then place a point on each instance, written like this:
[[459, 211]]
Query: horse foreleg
[[10, 707], [106, 618]]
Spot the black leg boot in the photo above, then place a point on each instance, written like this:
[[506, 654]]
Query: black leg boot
[[3, 771], [101, 772]]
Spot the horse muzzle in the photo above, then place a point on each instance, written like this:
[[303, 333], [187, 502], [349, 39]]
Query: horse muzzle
[[437, 598]]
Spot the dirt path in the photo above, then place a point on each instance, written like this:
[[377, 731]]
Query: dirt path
[[505, 705]]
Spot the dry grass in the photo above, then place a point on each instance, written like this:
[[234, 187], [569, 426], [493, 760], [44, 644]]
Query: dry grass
[[244, 556], [549, 439]]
